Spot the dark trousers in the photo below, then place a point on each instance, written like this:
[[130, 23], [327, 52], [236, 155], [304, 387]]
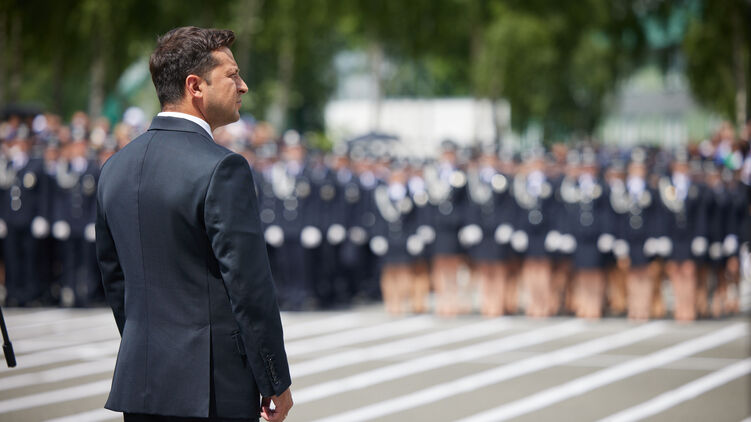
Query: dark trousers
[[294, 284], [80, 272], [139, 417], [21, 259]]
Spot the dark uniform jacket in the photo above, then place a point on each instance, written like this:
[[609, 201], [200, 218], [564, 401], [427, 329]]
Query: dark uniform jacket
[[184, 266]]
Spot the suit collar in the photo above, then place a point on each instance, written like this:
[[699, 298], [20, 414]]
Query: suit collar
[[178, 124]]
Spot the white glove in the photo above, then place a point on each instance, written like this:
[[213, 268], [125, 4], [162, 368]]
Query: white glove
[[89, 233], [40, 227], [470, 235], [274, 236], [605, 242], [61, 230], [415, 245], [568, 244], [310, 237], [552, 241], [379, 245], [699, 246], [336, 234], [621, 248], [730, 245], [503, 234], [519, 241]]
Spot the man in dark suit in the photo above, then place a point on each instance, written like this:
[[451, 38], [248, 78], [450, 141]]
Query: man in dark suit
[[182, 255]]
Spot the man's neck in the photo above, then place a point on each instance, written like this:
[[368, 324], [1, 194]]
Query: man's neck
[[192, 112], [186, 109]]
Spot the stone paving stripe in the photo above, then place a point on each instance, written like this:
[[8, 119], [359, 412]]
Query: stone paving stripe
[[435, 361], [610, 375], [359, 335], [685, 392], [55, 396], [501, 373], [97, 415], [58, 374], [321, 326], [399, 347], [84, 351]]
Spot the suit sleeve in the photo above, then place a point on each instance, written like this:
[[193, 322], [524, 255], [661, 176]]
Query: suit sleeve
[[234, 229], [113, 278]]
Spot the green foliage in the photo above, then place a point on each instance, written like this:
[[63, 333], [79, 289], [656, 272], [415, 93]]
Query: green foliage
[[716, 42], [557, 63]]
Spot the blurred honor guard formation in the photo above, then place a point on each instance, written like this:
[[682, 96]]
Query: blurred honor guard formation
[[582, 230]]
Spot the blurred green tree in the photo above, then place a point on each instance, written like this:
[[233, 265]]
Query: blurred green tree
[[717, 47]]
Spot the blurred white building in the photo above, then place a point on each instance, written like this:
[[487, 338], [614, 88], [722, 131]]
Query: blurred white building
[[652, 108], [421, 124]]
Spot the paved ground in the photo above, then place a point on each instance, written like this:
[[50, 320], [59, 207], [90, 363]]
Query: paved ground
[[363, 365]]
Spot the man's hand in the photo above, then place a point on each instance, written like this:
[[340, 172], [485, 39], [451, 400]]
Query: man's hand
[[282, 404]]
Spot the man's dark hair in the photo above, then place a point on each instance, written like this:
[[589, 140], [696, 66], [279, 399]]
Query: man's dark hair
[[181, 52]]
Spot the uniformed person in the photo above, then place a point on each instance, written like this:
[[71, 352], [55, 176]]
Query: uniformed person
[[320, 206], [685, 226], [636, 222], [446, 191], [508, 166], [533, 193], [391, 235], [590, 224], [487, 209], [290, 229], [737, 233], [266, 157], [362, 221], [345, 232], [558, 242], [419, 244], [615, 266], [334, 227], [74, 215], [714, 263], [24, 193]]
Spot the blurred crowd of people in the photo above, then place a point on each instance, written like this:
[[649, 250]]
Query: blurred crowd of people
[[578, 230]]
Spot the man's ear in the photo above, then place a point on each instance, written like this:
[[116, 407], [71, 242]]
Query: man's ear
[[193, 86]]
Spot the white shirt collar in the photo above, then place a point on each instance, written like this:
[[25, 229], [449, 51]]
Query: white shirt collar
[[194, 119]]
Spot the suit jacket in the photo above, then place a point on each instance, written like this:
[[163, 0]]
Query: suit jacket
[[185, 270]]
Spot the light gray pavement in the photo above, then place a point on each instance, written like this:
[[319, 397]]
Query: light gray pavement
[[363, 365]]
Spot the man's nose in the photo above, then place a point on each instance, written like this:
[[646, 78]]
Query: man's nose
[[242, 87]]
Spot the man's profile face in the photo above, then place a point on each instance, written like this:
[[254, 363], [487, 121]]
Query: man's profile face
[[222, 89]]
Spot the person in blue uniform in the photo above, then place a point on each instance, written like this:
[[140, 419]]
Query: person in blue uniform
[[533, 193], [390, 236], [558, 241], [342, 221], [266, 156], [636, 222], [727, 230], [508, 166], [290, 230], [714, 263], [362, 220], [25, 192], [446, 191], [419, 243], [74, 215], [615, 266], [332, 285], [487, 191], [737, 233], [684, 206], [320, 205], [588, 222]]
